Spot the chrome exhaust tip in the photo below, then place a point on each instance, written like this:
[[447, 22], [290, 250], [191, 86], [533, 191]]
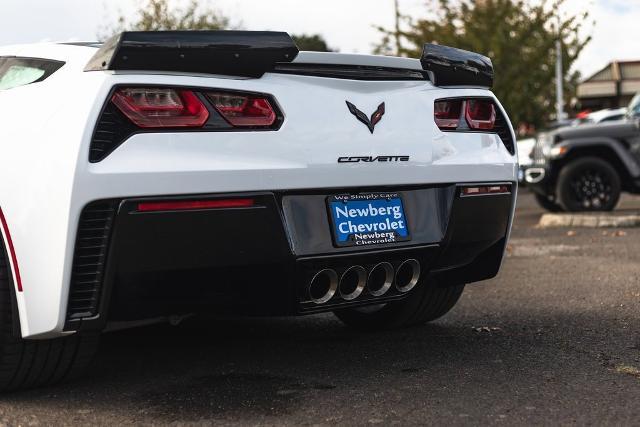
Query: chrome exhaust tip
[[407, 275], [323, 286], [380, 279], [352, 282]]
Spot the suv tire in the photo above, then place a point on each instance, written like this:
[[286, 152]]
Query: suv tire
[[588, 184], [546, 203]]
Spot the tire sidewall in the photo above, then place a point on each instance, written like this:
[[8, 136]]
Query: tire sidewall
[[546, 203]]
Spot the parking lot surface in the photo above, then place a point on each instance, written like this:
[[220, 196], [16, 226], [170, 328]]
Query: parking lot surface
[[554, 339]]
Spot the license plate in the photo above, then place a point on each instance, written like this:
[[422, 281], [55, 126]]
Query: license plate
[[368, 219]]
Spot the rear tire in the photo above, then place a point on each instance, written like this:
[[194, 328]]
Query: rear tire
[[426, 302], [546, 203], [588, 184], [34, 363]]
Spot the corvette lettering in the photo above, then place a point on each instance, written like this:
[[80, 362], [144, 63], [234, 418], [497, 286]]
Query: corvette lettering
[[370, 159]]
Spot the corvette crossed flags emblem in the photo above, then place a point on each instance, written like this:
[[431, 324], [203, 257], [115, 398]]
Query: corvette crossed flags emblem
[[375, 117]]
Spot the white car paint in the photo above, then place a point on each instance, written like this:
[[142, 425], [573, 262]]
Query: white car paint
[[525, 146], [46, 178], [607, 114]]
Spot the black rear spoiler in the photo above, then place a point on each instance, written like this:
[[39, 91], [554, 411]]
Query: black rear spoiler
[[233, 53], [448, 66]]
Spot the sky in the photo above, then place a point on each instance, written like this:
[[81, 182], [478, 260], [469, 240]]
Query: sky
[[348, 25]]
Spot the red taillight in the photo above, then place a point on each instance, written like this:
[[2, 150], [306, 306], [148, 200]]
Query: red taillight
[[161, 107], [480, 114], [447, 113], [488, 189], [244, 110], [185, 205]]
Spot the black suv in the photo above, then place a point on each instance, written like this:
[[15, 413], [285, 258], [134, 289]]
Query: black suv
[[586, 167]]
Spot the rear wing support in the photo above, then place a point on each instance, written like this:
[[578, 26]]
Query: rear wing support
[[449, 66]]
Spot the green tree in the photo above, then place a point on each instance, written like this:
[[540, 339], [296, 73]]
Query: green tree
[[158, 15], [519, 36], [312, 42]]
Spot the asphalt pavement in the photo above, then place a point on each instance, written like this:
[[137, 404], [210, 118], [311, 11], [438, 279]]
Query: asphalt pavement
[[554, 339]]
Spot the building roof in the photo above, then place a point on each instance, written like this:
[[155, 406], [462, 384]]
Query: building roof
[[604, 83]]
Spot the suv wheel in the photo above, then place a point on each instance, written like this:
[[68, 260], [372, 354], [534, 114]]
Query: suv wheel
[[588, 184]]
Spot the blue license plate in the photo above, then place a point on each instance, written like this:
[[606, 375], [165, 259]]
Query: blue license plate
[[368, 219]]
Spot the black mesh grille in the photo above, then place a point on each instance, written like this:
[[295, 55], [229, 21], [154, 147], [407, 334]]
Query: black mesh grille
[[503, 131], [92, 243], [111, 131]]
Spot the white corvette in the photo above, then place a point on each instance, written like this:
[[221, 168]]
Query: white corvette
[[172, 173]]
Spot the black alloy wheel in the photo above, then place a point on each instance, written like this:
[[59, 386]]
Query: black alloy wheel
[[588, 184]]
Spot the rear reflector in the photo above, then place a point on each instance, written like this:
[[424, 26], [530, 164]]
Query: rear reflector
[[244, 110], [447, 113], [185, 205], [12, 251], [481, 190], [161, 107]]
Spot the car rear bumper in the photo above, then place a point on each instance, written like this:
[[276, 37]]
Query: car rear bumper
[[130, 264]]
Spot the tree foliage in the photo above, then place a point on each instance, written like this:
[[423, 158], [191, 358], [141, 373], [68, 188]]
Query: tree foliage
[[519, 36], [312, 42], [158, 15]]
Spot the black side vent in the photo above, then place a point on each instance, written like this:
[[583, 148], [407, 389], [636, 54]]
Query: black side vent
[[92, 244], [501, 127], [111, 131]]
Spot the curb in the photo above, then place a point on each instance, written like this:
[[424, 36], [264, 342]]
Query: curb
[[589, 220]]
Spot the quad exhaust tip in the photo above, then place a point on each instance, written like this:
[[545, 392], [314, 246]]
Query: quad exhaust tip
[[380, 279], [407, 275], [352, 282], [323, 286]]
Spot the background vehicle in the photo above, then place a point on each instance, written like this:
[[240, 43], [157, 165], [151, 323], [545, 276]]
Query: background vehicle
[[586, 167], [525, 146], [525, 149], [606, 115], [172, 173]]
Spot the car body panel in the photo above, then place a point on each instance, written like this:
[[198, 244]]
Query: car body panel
[[47, 179]]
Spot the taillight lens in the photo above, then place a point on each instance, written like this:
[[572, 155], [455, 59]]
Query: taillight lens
[[447, 113], [242, 110], [480, 114], [161, 107]]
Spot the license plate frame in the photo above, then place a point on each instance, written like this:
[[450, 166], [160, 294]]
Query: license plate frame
[[380, 215]]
